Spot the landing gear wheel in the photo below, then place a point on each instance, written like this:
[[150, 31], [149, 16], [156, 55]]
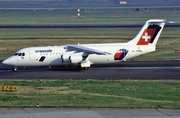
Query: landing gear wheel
[[15, 69]]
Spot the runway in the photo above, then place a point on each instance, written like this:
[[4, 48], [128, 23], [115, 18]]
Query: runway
[[139, 70], [84, 26]]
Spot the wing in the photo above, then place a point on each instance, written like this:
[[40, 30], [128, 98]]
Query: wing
[[87, 50]]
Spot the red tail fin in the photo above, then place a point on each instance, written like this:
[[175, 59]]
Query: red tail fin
[[149, 35]]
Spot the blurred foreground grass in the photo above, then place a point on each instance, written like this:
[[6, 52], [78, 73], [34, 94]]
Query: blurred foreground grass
[[92, 93]]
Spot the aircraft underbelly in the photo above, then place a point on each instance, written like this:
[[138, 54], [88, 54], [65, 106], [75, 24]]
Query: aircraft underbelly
[[101, 59]]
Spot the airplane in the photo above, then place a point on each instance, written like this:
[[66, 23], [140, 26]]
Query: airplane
[[84, 55]]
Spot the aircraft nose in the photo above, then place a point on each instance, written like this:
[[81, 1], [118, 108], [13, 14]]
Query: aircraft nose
[[6, 62], [10, 61]]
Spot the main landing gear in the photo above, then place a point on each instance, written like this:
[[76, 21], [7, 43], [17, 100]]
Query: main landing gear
[[85, 68], [80, 68]]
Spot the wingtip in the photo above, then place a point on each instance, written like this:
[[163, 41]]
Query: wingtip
[[171, 21]]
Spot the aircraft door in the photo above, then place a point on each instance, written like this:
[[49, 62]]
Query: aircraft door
[[31, 55]]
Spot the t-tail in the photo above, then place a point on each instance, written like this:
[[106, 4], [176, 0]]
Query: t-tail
[[150, 33]]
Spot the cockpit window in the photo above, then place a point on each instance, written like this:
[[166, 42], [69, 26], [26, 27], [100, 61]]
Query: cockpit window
[[15, 54], [23, 54], [19, 54]]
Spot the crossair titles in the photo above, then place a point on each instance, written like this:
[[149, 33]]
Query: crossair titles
[[43, 51]]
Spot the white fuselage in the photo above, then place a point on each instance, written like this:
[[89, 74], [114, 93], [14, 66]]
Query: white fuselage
[[53, 54]]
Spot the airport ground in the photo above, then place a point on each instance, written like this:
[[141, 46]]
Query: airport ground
[[163, 71], [125, 84], [129, 70]]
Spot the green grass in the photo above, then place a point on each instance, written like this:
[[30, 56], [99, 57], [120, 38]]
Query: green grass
[[92, 93]]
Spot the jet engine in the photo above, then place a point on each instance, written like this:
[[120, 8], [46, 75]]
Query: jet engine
[[65, 57], [74, 59]]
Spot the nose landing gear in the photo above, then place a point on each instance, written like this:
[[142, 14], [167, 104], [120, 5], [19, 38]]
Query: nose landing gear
[[15, 69]]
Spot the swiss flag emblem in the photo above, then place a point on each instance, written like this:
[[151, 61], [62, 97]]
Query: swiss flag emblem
[[147, 36]]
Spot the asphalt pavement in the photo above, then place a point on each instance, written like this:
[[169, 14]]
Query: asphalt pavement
[[87, 113], [130, 70]]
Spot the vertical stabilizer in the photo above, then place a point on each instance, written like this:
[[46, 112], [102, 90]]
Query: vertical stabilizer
[[149, 33]]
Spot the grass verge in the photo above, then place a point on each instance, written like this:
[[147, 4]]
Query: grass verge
[[92, 93]]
